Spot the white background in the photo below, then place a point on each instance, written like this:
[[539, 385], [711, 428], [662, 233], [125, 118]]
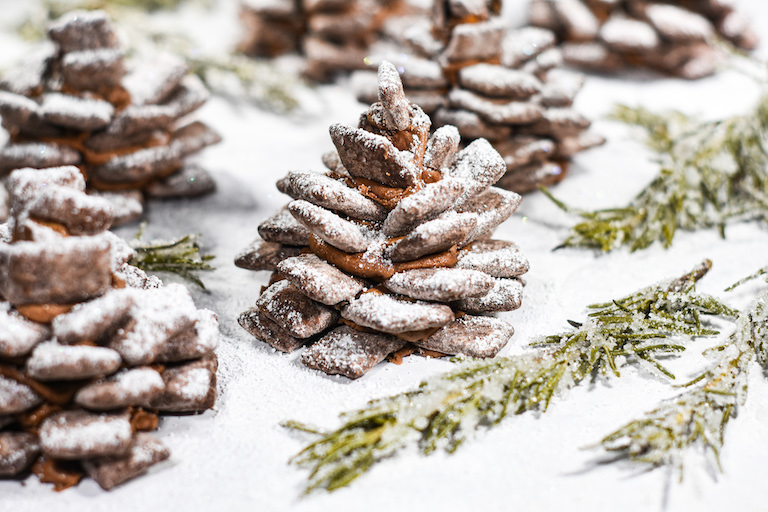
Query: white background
[[235, 456]]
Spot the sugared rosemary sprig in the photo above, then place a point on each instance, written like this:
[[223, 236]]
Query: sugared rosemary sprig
[[448, 408], [711, 173], [698, 417], [740, 282], [181, 256]]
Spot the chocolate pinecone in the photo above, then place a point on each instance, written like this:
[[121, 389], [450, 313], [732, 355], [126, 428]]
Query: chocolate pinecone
[[670, 36], [77, 104], [390, 246], [91, 349], [467, 69], [333, 35]]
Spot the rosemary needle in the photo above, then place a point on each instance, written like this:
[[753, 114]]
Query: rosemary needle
[[448, 408]]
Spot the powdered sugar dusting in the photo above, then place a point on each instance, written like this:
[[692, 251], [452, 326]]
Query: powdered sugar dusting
[[387, 313], [18, 336], [498, 259], [76, 434], [54, 361], [440, 284], [16, 397], [194, 384], [338, 232], [159, 314]]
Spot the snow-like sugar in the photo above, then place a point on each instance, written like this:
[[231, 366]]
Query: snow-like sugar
[[54, 361], [333, 229], [16, 397], [18, 336], [79, 434], [194, 384]]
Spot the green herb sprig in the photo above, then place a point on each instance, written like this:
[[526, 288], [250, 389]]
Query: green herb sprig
[[446, 409], [711, 173], [698, 417], [181, 256]]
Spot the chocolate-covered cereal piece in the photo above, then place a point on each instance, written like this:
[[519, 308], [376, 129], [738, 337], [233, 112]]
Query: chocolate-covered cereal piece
[[505, 295], [145, 451], [295, 312], [18, 336], [16, 397], [319, 280], [190, 387], [390, 314], [261, 255], [440, 284], [283, 228], [55, 361], [195, 342], [72, 270], [497, 258], [349, 352], [18, 450], [473, 336], [80, 434], [159, 315], [131, 387], [261, 326]]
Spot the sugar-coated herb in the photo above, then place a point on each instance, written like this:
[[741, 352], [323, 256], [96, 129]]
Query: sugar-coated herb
[[698, 417], [181, 256], [711, 173], [740, 282], [448, 408]]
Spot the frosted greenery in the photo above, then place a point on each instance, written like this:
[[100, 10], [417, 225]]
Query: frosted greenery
[[228, 74], [181, 256], [445, 410], [711, 173], [697, 418]]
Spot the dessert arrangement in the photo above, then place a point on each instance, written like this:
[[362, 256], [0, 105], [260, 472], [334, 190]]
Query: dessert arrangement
[[676, 38], [390, 249], [467, 69], [388, 252], [77, 102], [92, 350], [333, 36]]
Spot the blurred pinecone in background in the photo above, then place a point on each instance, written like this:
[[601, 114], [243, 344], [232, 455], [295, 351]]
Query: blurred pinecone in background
[[467, 69], [675, 37], [77, 102]]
